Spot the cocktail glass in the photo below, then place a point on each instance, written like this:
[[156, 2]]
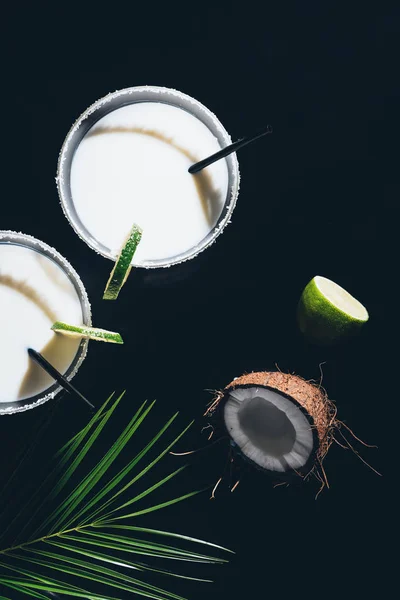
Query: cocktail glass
[[111, 103], [60, 273]]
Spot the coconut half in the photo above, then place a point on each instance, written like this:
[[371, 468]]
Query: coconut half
[[278, 422]]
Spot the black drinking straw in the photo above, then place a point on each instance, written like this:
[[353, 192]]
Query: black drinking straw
[[52, 371], [228, 150]]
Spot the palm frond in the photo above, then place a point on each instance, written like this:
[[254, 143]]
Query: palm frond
[[64, 455], [118, 562], [26, 586], [125, 471], [27, 591], [75, 533], [104, 571], [169, 534]]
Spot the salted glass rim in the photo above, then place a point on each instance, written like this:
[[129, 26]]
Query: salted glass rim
[[28, 241], [182, 101]]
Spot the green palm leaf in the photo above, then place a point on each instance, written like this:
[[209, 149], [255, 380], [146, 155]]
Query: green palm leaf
[[118, 562], [64, 455], [73, 531], [104, 571]]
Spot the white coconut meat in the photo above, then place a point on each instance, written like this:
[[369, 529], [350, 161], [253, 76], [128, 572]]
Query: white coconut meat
[[268, 428]]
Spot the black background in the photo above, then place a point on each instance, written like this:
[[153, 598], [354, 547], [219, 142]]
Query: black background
[[316, 197]]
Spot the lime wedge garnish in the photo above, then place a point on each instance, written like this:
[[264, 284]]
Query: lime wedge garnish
[[92, 333], [122, 266], [326, 312]]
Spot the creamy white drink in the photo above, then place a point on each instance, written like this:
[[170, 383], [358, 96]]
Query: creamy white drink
[[131, 166], [35, 291]]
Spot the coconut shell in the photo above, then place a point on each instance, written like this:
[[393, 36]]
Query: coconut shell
[[311, 397], [313, 400]]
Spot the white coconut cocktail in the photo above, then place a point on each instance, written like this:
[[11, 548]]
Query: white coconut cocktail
[[126, 161], [37, 287]]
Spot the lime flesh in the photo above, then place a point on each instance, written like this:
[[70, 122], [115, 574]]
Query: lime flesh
[[326, 312]]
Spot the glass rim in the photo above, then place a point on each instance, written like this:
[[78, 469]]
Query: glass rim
[[70, 144], [28, 241]]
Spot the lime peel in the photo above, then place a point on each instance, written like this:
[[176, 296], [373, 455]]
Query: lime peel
[[123, 265], [92, 333]]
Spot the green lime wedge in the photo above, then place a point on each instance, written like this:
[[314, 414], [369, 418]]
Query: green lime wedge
[[122, 266], [326, 312], [92, 333]]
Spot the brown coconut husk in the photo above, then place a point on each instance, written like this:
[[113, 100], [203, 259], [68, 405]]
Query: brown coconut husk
[[312, 398]]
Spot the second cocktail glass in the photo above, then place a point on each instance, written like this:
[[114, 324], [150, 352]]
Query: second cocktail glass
[[126, 161], [37, 287]]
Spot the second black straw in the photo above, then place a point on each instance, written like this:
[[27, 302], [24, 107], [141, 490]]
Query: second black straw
[[228, 150]]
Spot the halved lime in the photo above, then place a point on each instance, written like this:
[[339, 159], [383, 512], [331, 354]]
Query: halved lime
[[326, 312], [122, 266], [92, 333]]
